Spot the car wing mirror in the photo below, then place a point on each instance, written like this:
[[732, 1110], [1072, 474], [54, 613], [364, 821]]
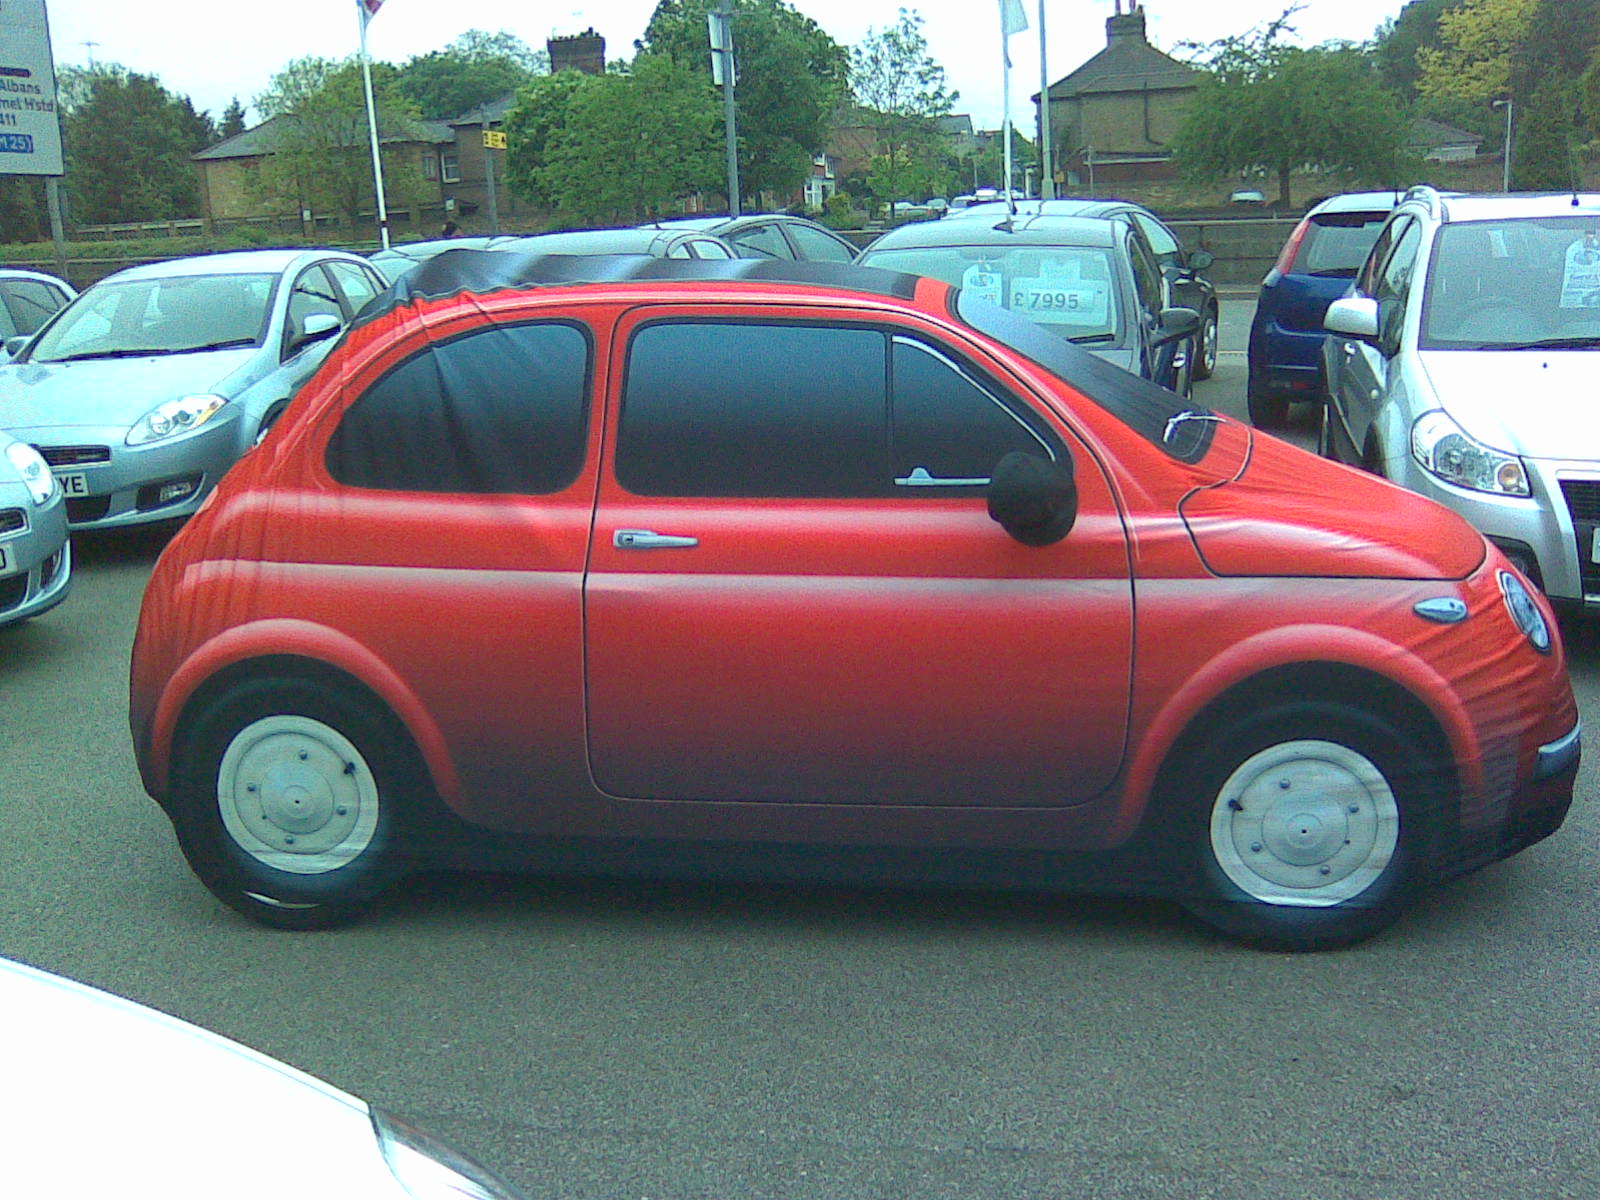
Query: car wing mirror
[[1353, 316], [1034, 499], [317, 326], [1200, 260], [1176, 323]]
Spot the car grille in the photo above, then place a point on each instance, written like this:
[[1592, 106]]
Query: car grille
[[12, 519], [12, 591], [1583, 502], [90, 508], [74, 456]]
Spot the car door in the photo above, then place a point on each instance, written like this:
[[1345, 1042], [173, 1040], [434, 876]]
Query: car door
[[795, 593], [1187, 289], [1365, 368], [1168, 363]]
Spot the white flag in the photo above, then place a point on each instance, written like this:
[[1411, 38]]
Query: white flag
[[1012, 20]]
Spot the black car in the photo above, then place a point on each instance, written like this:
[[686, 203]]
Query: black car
[[771, 235], [1189, 288], [1092, 280]]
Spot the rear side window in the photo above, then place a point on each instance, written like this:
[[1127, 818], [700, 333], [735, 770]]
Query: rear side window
[[753, 410], [499, 410]]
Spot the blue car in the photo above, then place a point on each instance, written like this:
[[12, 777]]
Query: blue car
[[1314, 269]]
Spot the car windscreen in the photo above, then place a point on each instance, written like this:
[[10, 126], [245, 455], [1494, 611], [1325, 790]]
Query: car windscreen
[[1180, 427], [1070, 290], [1528, 283], [1336, 244], [177, 314]]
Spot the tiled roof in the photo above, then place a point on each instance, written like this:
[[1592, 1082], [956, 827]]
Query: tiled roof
[[264, 139]]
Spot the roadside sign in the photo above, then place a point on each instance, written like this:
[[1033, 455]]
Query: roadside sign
[[30, 131], [494, 139]]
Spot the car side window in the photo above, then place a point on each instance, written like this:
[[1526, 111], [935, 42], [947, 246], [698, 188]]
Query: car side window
[[26, 304], [1367, 281], [1163, 244], [499, 410], [355, 282], [1394, 286], [705, 248], [1146, 276], [948, 429], [818, 246], [729, 409], [762, 241], [313, 295]]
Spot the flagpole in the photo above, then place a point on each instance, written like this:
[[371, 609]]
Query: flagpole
[[363, 15], [1005, 125]]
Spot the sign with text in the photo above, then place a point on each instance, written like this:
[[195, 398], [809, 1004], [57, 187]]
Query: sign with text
[[494, 139], [30, 132]]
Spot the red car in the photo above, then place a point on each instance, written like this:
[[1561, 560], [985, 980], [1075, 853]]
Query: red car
[[637, 565]]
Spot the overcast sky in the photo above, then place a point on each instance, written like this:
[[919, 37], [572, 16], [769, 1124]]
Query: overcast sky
[[212, 51]]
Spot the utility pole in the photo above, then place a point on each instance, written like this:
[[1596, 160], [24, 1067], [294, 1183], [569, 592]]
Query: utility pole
[[1047, 177], [720, 25]]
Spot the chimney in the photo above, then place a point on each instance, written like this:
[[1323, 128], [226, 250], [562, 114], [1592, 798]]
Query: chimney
[[584, 52], [1125, 26]]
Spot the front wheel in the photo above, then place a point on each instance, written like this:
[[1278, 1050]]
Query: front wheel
[[1267, 411], [287, 798], [1205, 356], [1310, 826]]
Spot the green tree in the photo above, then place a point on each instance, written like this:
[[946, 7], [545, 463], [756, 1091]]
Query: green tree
[[232, 123], [791, 76], [541, 109], [128, 144], [901, 92], [632, 145], [1263, 106], [322, 156], [1476, 42], [1543, 155], [1400, 38], [23, 216], [475, 69]]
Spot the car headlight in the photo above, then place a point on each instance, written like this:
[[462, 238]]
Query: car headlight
[[34, 470], [1444, 449], [1525, 612], [429, 1170], [174, 417]]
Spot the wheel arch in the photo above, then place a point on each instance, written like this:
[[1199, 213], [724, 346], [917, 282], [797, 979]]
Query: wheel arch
[[316, 654]]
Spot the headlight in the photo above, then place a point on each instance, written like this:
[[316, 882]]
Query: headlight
[[174, 417], [1525, 612], [34, 470], [430, 1170], [1444, 449]]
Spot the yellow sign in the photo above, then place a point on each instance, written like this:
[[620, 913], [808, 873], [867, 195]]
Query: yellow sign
[[494, 139]]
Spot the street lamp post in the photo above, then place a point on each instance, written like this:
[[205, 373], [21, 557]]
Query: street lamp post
[[1508, 104]]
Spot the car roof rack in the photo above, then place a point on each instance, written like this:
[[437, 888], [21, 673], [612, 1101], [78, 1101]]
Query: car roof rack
[[1429, 195]]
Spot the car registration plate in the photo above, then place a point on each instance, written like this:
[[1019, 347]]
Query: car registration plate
[[74, 483]]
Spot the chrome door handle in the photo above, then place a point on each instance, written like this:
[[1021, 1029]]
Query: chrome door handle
[[648, 539]]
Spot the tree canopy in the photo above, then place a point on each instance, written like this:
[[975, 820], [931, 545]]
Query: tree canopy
[[475, 69], [1265, 106], [791, 76], [1472, 60], [901, 93]]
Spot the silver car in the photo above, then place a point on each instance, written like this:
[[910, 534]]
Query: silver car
[[1464, 365], [27, 300], [109, 1098], [144, 390], [35, 559]]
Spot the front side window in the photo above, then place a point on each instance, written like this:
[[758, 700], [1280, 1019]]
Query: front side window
[[312, 296], [761, 241], [818, 246], [501, 410], [1163, 244], [26, 304], [357, 284]]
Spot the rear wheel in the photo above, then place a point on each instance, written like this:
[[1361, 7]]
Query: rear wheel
[[1309, 826], [288, 797], [1205, 354], [1267, 411]]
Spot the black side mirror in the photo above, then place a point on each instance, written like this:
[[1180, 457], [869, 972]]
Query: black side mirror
[[1177, 323], [1034, 499], [1199, 260]]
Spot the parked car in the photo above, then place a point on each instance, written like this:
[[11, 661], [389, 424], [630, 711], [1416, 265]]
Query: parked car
[[1182, 268], [35, 558], [1315, 267], [146, 388], [27, 300], [772, 235], [1093, 280], [116, 1099], [1463, 366], [769, 569], [654, 242], [398, 261]]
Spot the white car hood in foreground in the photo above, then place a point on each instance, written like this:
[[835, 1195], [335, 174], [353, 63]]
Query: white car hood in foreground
[[104, 1097], [1535, 403]]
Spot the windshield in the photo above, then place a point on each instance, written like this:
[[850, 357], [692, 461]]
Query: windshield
[[174, 315], [1069, 289], [1336, 244], [1523, 283], [1181, 427]]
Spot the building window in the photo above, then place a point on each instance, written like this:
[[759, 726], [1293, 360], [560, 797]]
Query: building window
[[452, 168], [430, 166]]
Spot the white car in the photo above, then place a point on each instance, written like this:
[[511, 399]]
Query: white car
[[109, 1098], [1464, 364], [27, 300], [35, 558]]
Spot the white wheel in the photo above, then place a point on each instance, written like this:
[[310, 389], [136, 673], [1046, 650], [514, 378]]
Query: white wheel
[[296, 795], [1305, 823]]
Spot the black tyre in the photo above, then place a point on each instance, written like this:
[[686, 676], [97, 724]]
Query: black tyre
[[1266, 410], [1205, 354], [1324, 432], [288, 797], [1308, 826]]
